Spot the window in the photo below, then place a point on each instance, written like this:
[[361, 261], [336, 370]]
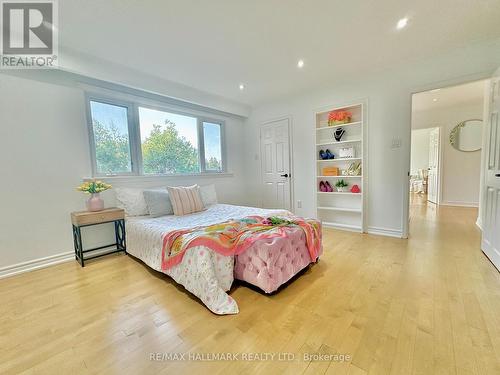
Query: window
[[212, 146], [132, 139], [169, 142], [111, 138]]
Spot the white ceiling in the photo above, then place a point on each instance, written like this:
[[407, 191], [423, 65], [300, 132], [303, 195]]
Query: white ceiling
[[469, 93], [216, 45]]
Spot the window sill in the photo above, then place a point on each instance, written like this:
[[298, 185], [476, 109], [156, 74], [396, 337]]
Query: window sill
[[152, 178]]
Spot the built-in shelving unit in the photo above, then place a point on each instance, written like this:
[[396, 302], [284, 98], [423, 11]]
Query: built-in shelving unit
[[341, 209]]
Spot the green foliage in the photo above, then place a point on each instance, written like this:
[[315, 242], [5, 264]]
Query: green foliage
[[275, 220], [213, 164], [341, 183], [112, 149], [165, 151]]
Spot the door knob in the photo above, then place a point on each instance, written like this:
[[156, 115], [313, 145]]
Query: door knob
[[285, 175], [497, 175]]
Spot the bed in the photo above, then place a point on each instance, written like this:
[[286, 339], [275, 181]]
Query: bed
[[208, 275]]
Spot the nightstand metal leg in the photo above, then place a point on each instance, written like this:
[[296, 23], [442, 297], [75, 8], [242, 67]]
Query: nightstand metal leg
[[120, 235], [80, 246], [77, 240]]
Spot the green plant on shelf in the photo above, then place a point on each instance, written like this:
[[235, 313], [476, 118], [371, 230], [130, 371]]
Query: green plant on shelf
[[341, 184]]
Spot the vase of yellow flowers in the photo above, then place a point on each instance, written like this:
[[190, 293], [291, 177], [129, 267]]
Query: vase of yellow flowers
[[94, 188]]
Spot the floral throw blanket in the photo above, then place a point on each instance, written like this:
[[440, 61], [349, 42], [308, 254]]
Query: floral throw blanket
[[235, 236]]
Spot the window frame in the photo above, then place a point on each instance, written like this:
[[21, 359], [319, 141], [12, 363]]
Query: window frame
[[131, 136], [201, 138], [134, 130]]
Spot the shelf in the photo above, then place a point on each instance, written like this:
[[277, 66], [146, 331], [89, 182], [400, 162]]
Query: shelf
[[343, 209], [337, 143], [341, 226], [337, 159], [338, 192], [338, 126]]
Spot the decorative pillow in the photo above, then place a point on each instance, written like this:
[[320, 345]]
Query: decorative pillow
[[158, 202], [208, 195], [185, 199], [132, 201]]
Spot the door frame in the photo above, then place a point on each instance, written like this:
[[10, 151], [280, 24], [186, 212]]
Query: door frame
[[405, 217], [290, 157], [439, 166]]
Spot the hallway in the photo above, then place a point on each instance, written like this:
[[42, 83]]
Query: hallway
[[458, 285]]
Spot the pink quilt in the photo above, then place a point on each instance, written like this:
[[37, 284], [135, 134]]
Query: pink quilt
[[235, 236]]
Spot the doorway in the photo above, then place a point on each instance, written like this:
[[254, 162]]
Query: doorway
[[446, 138], [275, 159]]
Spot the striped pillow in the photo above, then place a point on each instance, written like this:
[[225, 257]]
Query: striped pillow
[[185, 199]]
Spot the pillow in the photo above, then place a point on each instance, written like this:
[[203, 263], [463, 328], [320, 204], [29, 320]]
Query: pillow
[[185, 199], [208, 195], [158, 202], [132, 201]]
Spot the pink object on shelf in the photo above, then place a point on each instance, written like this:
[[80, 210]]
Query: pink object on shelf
[[95, 203], [270, 263]]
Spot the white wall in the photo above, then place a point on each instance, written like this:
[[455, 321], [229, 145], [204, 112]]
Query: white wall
[[460, 171], [389, 112], [89, 66], [44, 150], [419, 150]]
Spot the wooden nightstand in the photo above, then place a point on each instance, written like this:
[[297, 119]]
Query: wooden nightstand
[[85, 219]]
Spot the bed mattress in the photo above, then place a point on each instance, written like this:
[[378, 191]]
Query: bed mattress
[[267, 264]]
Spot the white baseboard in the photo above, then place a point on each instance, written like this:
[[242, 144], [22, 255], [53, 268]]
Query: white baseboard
[[35, 264], [491, 253], [479, 224], [459, 204], [385, 232]]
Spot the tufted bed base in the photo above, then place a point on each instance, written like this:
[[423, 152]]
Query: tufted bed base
[[271, 263]]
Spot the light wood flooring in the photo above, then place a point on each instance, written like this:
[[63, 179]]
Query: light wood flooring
[[427, 305]]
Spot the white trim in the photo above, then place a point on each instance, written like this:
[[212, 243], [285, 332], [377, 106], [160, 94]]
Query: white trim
[[346, 227], [492, 255], [153, 178], [479, 223], [35, 264], [385, 232], [459, 204]]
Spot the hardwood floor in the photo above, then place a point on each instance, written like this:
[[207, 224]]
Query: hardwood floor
[[427, 305]]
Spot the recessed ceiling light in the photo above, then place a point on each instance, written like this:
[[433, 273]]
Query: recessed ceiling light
[[242, 86], [434, 100], [300, 63], [402, 23]]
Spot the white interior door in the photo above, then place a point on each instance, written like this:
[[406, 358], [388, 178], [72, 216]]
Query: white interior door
[[433, 181], [490, 243], [275, 159]]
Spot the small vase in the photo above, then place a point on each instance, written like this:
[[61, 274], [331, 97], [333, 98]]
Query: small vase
[[340, 189], [95, 203]]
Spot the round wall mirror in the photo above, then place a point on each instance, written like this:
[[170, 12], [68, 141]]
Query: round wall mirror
[[467, 135]]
